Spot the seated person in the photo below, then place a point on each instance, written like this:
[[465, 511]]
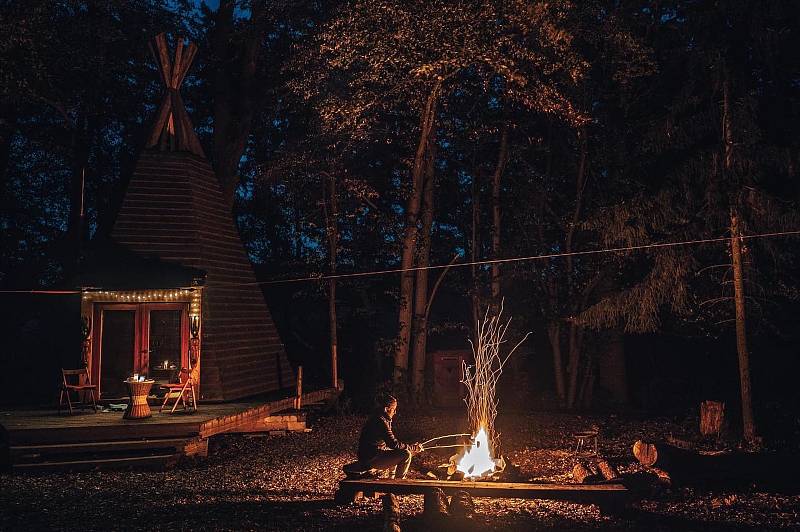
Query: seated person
[[378, 448]]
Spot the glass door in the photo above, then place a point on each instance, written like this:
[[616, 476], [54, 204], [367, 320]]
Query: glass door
[[166, 343], [118, 344], [149, 339]]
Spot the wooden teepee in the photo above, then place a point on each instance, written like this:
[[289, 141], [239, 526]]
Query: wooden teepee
[[174, 210], [173, 129]]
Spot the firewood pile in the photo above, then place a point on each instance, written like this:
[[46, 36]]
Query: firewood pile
[[595, 472]]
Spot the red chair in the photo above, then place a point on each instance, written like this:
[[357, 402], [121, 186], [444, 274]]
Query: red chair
[[77, 380]]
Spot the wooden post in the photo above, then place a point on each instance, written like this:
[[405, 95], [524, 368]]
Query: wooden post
[[298, 400]]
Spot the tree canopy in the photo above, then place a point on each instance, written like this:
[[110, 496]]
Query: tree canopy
[[419, 131]]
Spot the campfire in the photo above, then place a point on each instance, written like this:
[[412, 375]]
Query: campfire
[[478, 458]]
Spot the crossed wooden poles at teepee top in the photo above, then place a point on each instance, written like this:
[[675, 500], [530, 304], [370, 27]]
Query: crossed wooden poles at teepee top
[[173, 129]]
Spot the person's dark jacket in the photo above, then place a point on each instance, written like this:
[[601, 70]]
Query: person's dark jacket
[[376, 436]]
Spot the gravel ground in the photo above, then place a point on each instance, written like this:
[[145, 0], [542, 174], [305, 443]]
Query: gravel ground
[[288, 482]]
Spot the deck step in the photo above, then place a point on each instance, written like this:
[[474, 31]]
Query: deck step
[[30, 453], [156, 462], [275, 423], [89, 432]]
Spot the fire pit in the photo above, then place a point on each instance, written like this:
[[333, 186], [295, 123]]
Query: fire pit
[[477, 459], [477, 468]]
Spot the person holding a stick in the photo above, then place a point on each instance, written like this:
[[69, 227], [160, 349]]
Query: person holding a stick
[[379, 448]]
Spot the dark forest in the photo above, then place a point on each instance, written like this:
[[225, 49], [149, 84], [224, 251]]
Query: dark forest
[[619, 177]]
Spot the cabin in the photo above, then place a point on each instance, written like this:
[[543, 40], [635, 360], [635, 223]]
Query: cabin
[[174, 287]]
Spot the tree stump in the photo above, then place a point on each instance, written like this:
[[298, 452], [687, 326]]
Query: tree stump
[[712, 415], [646, 453], [461, 505], [391, 513], [435, 504]]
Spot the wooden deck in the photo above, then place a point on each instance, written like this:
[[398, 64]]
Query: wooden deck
[[611, 498], [44, 439]]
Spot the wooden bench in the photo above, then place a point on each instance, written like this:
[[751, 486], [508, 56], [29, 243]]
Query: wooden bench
[[611, 498]]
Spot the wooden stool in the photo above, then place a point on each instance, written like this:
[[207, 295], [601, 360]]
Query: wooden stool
[[584, 439]]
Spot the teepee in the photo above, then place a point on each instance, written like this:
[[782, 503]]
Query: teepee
[[173, 212]]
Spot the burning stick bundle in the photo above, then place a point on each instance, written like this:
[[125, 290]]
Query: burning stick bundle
[[481, 381]]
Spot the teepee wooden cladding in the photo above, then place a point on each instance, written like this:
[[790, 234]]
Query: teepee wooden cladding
[[174, 209], [173, 129]]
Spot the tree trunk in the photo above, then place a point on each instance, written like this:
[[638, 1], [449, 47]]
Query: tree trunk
[[8, 126], [331, 211], [297, 223], [476, 214], [502, 158], [421, 289], [235, 90], [554, 335], [612, 375], [76, 226], [574, 334], [550, 289], [586, 388], [573, 365], [748, 424], [580, 185], [405, 311]]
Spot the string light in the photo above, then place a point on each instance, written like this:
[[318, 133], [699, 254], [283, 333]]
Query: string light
[[183, 295]]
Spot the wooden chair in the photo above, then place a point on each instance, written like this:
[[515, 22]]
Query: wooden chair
[[82, 385], [180, 391]]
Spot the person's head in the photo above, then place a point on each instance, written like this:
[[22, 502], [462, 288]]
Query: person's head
[[389, 404]]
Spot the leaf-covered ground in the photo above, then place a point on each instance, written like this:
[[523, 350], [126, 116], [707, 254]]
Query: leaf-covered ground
[[288, 482]]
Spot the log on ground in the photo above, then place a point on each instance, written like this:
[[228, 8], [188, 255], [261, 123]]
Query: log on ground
[[687, 466]]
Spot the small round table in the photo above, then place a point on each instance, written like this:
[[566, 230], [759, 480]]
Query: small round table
[[137, 392]]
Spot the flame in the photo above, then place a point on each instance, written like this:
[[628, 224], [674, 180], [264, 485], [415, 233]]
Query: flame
[[477, 461]]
